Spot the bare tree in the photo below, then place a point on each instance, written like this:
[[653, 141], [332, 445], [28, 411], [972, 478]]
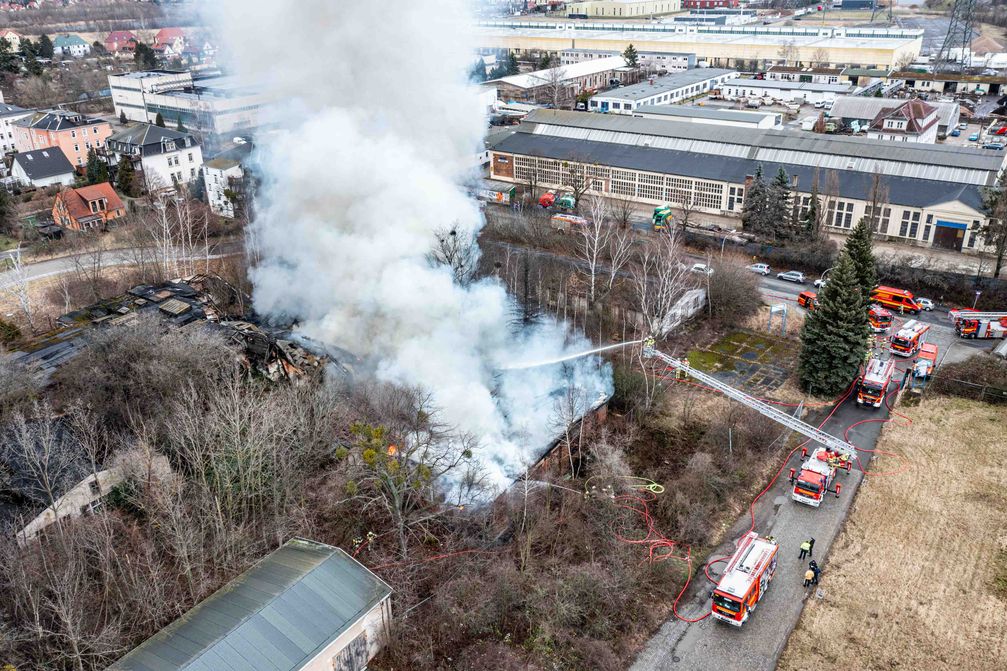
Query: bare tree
[[820, 57], [876, 202], [660, 278], [15, 284], [554, 88], [903, 62], [620, 251], [576, 179], [89, 270], [622, 211], [594, 240], [787, 52], [687, 207], [457, 250]]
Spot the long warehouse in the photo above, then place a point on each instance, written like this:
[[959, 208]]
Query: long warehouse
[[934, 192], [742, 47]]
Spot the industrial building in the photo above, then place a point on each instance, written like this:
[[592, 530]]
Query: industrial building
[[560, 85], [623, 9], [648, 60], [305, 606], [789, 73], [860, 111], [739, 46], [735, 89], [214, 108], [710, 115], [660, 90], [934, 192]]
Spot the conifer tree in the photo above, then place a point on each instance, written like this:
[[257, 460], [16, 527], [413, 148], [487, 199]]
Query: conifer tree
[[860, 249], [159, 120], [125, 177], [835, 335], [810, 219], [753, 212], [97, 169], [631, 56], [778, 207]]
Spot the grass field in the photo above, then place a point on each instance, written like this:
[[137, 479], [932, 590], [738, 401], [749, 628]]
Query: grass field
[[918, 578]]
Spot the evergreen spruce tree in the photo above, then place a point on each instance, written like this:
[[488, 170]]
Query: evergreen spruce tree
[[180, 127], [778, 207], [45, 47], [753, 212], [122, 117], [631, 56], [835, 335], [159, 120], [125, 177], [809, 221], [513, 67], [860, 248], [97, 169]]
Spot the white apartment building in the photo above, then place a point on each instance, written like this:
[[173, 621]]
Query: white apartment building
[[166, 157], [8, 115], [223, 173]]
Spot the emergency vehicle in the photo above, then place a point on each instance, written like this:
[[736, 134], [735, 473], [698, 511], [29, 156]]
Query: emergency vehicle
[[567, 222], [662, 217], [880, 318], [910, 338], [745, 580], [927, 361], [873, 383], [895, 299], [818, 473], [563, 202], [975, 324], [807, 300]]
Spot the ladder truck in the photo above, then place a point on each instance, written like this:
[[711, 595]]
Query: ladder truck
[[909, 338], [976, 324]]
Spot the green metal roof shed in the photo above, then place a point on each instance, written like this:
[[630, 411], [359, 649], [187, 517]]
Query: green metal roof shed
[[280, 615]]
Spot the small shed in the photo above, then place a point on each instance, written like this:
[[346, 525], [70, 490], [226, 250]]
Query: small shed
[[306, 606]]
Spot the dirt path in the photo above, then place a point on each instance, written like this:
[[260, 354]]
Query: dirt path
[[910, 582]]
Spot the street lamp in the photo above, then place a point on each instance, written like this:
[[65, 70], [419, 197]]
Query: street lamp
[[975, 300]]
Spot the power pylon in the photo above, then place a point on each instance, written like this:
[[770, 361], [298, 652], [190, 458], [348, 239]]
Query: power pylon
[[960, 33]]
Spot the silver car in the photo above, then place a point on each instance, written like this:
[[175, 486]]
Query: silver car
[[925, 303], [760, 268], [791, 276]]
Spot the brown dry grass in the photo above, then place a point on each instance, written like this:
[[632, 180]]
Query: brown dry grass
[[910, 583], [795, 320]]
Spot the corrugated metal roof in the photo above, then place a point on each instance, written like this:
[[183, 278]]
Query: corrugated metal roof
[[562, 73], [902, 191], [274, 617], [664, 84], [906, 159], [693, 111], [787, 86]]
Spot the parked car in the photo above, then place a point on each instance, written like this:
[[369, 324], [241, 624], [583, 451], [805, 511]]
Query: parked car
[[996, 146], [974, 137], [791, 276], [963, 125], [820, 282], [807, 300], [955, 133], [760, 268], [701, 268], [925, 303], [820, 104]]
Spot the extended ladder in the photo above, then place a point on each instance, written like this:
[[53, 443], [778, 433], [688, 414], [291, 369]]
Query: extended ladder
[[954, 315], [793, 423]]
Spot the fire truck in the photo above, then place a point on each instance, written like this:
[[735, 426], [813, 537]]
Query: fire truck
[[818, 473], [910, 338], [745, 580], [873, 384], [976, 324], [880, 318]]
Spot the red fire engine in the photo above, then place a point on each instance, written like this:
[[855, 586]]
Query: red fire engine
[[910, 338], [975, 324], [818, 472], [880, 318], [748, 574], [873, 384]]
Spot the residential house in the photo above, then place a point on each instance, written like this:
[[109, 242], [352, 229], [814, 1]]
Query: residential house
[[72, 132], [9, 114], [908, 121], [222, 177], [43, 167], [306, 606], [70, 45], [170, 36], [13, 39], [87, 208], [119, 41], [166, 157]]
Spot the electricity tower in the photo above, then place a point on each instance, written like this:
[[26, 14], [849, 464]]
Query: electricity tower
[[959, 38]]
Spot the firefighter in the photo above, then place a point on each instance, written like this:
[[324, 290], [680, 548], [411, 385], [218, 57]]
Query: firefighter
[[805, 549], [809, 575], [811, 547], [814, 567]]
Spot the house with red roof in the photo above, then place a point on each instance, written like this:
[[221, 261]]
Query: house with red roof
[[120, 41], [173, 37], [87, 208], [909, 121]]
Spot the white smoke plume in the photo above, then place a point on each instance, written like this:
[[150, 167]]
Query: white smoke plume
[[377, 129]]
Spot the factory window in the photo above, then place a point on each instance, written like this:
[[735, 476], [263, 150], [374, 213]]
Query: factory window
[[598, 171], [914, 226], [623, 187], [736, 197], [841, 214], [679, 190], [709, 195], [972, 240], [910, 224], [881, 218]]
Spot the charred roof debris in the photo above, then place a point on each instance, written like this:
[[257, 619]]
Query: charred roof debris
[[207, 301]]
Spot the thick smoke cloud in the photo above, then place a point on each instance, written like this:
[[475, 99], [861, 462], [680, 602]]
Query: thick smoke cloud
[[376, 131]]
